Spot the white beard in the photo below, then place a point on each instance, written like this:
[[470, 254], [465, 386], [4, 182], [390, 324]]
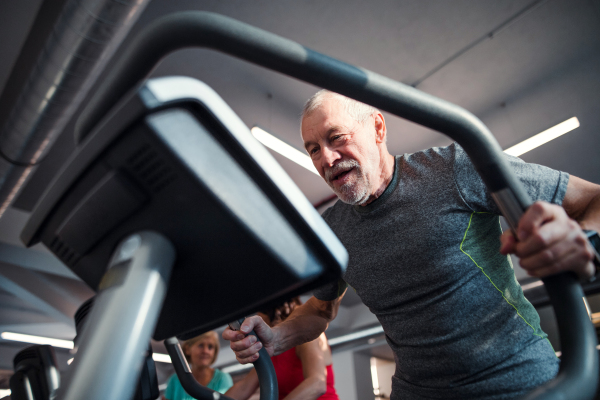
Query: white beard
[[354, 192]]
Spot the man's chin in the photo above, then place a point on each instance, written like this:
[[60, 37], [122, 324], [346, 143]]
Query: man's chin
[[353, 199]]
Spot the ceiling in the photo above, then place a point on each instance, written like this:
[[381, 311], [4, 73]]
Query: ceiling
[[520, 66]]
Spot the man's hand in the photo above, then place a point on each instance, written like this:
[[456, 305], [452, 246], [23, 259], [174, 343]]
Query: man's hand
[[549, 242], [246, 347]]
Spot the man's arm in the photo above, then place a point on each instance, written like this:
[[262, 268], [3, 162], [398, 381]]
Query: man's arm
[[551, 239], [305, 323], [582, 203]]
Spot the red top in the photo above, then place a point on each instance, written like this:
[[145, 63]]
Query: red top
[[288, 368]]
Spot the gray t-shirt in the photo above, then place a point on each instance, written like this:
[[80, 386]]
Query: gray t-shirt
[[424, 257]]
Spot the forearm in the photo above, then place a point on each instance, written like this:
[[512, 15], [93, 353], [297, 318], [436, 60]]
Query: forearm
[[582, 203], [305, 324], [590, 219], [295, 332], [310, 389]]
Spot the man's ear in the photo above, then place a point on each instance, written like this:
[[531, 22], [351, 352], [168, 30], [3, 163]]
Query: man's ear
[[380, 129]]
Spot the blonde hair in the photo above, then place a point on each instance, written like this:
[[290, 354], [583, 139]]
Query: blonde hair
[[191, 342]]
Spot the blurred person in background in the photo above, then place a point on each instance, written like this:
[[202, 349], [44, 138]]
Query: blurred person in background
[[200, 352]]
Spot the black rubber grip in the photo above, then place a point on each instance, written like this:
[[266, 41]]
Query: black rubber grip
[[266, 374], [269, 389], [578, 376]]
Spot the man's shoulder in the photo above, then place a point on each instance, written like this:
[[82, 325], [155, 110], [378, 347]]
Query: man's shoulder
[[429, 164], [446, 152]]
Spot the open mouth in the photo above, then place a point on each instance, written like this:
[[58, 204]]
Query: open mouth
[[339, 176]]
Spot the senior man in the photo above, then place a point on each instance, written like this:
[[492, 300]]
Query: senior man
[[422, 234]]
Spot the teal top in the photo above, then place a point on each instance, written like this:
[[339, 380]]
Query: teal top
[[221, 382]]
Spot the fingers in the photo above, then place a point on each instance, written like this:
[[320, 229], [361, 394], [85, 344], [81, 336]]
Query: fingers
[[507, 243], [586, 270], [549, 242], [538, 214], [246, 346], [246, 350]]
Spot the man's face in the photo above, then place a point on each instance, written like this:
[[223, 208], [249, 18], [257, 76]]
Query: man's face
[[344, 151]]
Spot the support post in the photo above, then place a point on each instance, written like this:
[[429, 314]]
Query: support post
[[111, 349]]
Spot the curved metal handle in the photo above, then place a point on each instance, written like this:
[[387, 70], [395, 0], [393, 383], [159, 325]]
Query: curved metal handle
[[184, 373], [264, 369], [187, 29], [578, 375], [203, 29]]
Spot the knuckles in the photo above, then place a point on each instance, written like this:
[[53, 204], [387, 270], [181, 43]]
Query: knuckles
[[548, 257]]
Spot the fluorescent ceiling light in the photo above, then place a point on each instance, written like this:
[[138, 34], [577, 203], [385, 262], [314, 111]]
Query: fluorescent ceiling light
[[374, 377], [163, 358], [283, 148], [4, 393], [532, 285], [18, 337], [543, 137], [67, 344]]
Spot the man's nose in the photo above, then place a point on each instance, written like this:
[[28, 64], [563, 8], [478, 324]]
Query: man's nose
[[328, 157]]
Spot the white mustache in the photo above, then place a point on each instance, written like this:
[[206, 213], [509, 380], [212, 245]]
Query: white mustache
[[344, 165]]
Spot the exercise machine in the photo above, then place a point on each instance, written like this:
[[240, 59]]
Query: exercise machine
[[168, 194]]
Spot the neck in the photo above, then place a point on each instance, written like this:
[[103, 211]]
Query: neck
[[384, 178], [202, 374]]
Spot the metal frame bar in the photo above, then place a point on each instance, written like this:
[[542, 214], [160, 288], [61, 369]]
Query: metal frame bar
[[117, 332]]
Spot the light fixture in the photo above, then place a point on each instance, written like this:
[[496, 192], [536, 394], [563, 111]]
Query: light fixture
[[374, 377], [543, 137], [4, 393], [283, 148], [19, 337], [532, 285], [163, 358]]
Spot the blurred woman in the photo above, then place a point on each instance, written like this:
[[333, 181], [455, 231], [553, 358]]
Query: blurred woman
[[201, 352], [303, 372]]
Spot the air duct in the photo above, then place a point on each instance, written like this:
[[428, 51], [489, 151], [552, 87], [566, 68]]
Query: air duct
[[85, 36]]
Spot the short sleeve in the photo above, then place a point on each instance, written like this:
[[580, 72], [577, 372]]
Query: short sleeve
[[540, 182]]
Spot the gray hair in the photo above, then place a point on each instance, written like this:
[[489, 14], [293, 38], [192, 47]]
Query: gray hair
[[357, 110]]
